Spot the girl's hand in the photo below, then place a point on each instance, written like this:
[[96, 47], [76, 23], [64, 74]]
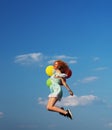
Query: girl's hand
[[70, 92]]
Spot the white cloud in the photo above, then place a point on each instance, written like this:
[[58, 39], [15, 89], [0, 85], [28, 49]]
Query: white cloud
[[73, 100], [42, 101], [29, 58], [100, 68], [68, 59], [89, 79], [42, 59], [51, 61], [109, 125], [72, 62], [63, 57], [96, 59], [78, 101], [28, 126], [1, 114]]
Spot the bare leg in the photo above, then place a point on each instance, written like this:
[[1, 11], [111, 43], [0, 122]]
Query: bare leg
[[51, 106]]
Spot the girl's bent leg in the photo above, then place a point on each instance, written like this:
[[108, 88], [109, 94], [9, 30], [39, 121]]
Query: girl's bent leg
[[51, 106]]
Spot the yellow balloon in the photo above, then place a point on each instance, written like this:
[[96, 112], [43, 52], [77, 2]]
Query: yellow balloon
[[49, 70]]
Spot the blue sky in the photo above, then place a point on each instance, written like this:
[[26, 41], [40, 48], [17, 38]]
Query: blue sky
[[33, 34]]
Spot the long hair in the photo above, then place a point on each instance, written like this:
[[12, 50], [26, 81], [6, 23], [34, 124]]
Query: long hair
[[62, 66]]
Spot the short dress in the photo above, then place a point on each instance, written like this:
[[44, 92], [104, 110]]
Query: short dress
[[55, 87]]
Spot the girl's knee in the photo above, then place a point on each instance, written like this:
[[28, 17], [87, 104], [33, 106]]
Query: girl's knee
[[49, 108]]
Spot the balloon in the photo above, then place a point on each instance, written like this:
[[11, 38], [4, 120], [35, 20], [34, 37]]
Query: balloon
[[48, 82], [69, 73], [49, 70]]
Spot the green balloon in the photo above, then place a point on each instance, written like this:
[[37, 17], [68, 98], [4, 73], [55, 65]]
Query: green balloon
[[48, 82]]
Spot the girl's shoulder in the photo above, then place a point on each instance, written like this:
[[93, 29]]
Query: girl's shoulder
[[61, 75], [58, 73]]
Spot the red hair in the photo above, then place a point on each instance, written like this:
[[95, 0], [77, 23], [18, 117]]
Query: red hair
[[62, 66]]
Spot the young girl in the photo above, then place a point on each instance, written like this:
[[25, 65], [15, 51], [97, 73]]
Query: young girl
[[58, 79]]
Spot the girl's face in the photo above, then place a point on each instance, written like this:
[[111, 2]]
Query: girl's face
[[55, 65]]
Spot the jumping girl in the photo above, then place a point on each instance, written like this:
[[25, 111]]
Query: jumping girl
[[58, 80]]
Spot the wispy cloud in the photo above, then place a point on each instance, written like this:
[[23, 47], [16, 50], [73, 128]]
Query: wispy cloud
[[88, 79], [28, 126], [109, 125], [1, 114], [73, 100], [69, 59], [36, 126], [100, 68], [29, 58], [96, 59], [78, 101], [42, 59]]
